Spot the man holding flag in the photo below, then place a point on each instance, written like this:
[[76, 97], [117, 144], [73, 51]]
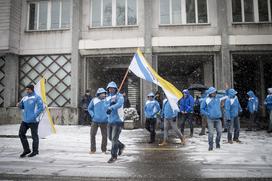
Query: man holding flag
[[32, 107]]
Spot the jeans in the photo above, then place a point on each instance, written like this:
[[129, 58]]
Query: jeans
[[218, 126], [229, 125], [103, 129], [114, 132], [187, 117], [173, 123], [150, 126], [34, 133], [236, 126]]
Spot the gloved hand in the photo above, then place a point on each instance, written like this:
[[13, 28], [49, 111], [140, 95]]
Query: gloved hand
[[108, 111], [112, 103]]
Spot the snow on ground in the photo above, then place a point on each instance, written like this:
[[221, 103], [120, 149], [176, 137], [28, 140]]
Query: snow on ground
[[66, 154]]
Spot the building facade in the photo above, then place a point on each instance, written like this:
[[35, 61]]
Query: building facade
[[83, 44]]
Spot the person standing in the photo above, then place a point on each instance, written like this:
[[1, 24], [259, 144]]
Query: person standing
[[211, 108], [232, 110], [159, 99], [203, 117], [170, 119], [126, 100], [187, 108], [151, 109], [252, 107], [32, 107], [268, 104], [115, 102], [97, 110], [84, 103]]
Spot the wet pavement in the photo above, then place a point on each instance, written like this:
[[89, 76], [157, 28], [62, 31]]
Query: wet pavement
[[65, 156]]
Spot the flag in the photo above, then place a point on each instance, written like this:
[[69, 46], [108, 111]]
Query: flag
[[141, 68], [46, 126]]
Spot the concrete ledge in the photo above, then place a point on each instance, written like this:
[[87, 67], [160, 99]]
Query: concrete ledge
[[60, 115]]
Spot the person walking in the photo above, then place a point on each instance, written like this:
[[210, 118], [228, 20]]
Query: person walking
[[187, 108], [170, 119], [115, 102], [97, 110], [32, 107], [151, 109], [211, 108], [232, 110]]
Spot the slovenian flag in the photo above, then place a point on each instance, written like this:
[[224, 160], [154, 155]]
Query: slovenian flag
[[46, 126], [141, 68]]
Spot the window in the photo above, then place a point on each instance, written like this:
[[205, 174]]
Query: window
[[113, 13], [46, 15], [183, 11], [251, 10]]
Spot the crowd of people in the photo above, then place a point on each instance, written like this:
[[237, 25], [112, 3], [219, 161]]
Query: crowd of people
[[106, 113], [216, 108]]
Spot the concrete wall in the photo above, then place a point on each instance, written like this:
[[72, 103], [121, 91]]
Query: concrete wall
[[60, 116], [43, 42], [4, 24]]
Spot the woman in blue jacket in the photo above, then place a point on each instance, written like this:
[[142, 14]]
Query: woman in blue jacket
[[232, 110], [170, 119], [252, 107], [152, 107], [97, 110], [268, 104]]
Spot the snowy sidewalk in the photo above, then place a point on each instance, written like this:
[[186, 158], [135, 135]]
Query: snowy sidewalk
[[66, 154]]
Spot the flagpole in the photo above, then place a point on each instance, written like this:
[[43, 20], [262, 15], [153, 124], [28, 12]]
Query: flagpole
[[123, 81]]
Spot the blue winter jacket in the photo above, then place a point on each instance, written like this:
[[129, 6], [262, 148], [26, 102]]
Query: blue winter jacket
[[115, 103], [167, 111], [97, 109], [151, 108], [211, 108], [268, 102], [253, 102], [232, 108], [32, 107], [187, 104]]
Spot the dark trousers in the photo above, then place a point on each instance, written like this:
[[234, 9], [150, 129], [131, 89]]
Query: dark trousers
[[114, 132], [103, 129], [34, 133], [150, 126], [253, 121], [84, 117], [187, 117]]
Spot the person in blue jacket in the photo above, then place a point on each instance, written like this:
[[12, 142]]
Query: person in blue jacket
[[115, 102], [253, 107], [211, 108], [32, 107], [170, 119], [268, 104], [187, 108], [232, 110], [152, 107], [97, 110]]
